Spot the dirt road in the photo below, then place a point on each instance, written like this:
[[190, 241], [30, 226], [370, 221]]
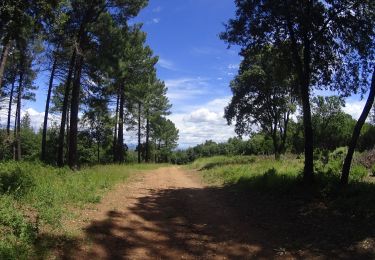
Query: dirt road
[[169, 214]]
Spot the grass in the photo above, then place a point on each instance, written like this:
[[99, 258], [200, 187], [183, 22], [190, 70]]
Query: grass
[[231, 170], [283, 179], [35, 196], [320, 217]]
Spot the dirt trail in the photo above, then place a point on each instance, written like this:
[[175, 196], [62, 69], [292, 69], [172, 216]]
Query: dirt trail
[[169, 214], [163, 214]]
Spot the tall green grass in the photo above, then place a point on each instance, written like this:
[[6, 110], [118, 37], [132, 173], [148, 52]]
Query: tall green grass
[[34, 196], [231, 170], [282, 179]]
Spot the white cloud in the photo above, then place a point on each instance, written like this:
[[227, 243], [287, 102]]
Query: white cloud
[[202, 123], [155, 20], [185, 88], [157, 9], [233, 66], [354, 108], [166, 64]]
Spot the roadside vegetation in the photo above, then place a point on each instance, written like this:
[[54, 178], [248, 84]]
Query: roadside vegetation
[[36, 198], [282, 178]]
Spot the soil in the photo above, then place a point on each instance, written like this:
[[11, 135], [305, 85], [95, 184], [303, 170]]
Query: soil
[[170, 214]]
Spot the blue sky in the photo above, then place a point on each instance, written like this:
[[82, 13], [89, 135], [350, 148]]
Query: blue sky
[[194, 63]]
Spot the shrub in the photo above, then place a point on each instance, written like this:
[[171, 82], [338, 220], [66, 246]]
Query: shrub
[[15, 180], [373, 170], [358, 172], [20, 233]]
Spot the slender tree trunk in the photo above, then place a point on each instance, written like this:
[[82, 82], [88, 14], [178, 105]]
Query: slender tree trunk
[[15, 135], [44, 135], [10, 106], [115, 134], [19, 97], [120, 137], [60, 152], [308, 176], [303, 72], [357, 131], [139, 132], [3, 59], [74, 109], [98, 148], [147, 139]]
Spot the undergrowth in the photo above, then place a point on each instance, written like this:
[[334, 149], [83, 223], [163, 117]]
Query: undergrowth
[[283, 178], [33, 195]]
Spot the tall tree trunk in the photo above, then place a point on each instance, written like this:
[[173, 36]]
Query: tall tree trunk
[[147, 138], [19, 97], [308, 176], [98, 151], [60, 152], [303, 72], [114, 148], [10, 106], [139, 132], [3, 58], [357, 131], [15, 135], [50, 85], [74, 109], [120, 137]]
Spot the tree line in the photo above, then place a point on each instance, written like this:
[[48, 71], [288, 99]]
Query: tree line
[[290, 49], [102, 82], [332, 130]]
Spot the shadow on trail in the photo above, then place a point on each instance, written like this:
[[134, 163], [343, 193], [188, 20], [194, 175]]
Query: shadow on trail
[[221, 223]]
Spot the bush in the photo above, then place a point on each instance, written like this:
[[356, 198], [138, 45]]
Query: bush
[[373, 170], [20, 233], [358, 173], [15, 180]]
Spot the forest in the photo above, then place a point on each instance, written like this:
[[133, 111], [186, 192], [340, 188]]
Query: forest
[[101, 83], [104, 176]]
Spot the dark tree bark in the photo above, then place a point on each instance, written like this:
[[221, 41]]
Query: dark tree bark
[[60, 152], [98, 151], [114, 148], [303, 73], [147, 139], [120, 138], [10, 105], [74, 109], [15, 135], [46, 111], [357, 131], [139, 132], [19, 98], [3, 58]]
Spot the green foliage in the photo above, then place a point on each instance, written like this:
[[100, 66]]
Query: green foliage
[[263, 94], [242, 169], [34, 195], [358, 173], [17, 231], [15, 180], [332, 127]]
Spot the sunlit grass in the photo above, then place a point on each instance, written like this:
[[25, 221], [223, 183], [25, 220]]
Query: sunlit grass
[[34, 195]]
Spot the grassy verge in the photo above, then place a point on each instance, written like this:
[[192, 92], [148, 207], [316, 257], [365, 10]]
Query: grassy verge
[[34, 196], [283, 179]]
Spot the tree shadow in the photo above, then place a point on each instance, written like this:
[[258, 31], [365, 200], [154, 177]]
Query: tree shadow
[[223, 222]]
